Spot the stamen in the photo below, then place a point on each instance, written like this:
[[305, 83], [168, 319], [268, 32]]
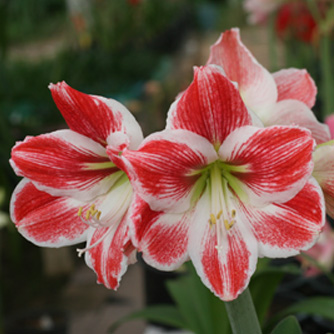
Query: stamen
[[213, 220], [223, 213], [228, 224], [92, 217], [84, 250]]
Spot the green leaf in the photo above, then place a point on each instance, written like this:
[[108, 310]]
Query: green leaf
[[320, 306], [164, 314], [264, 284], [203, 312], [289, 325]]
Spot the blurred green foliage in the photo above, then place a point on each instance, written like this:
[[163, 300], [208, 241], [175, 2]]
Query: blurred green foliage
[[28, 19]]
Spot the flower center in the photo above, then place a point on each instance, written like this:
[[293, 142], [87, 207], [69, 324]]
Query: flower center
[[224, 187], [223, 212], [114, 204]]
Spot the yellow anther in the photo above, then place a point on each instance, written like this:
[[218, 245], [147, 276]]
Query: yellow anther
[[219, 214], [212, 219], [80, 211], [98, 215], [93, 212], [228, 225], [233, 214]]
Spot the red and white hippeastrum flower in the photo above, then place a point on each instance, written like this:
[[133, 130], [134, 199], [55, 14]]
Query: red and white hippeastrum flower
[[282, 98], [71, 191], [221, 190], [259, 10], [323, 172]]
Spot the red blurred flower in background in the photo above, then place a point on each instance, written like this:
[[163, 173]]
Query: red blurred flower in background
[[294, 20]]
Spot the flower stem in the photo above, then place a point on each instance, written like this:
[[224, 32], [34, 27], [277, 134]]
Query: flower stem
[[272, 42], [242, 315]]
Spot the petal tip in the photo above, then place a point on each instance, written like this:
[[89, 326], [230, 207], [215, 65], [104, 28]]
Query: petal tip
[[59, 85]]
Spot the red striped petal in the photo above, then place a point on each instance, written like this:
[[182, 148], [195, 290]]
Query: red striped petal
[[65, 163], [162, 169], [112, 254], [293, 112], [278, 160], [161, 237], [94, 116], [46, 220], [257, 86], [285, 229], [210, 107], [226, 271], [324, 173], [295, 84]]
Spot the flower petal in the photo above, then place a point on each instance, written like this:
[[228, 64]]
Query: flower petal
[[295, 84], [65, 163], [111, 253], [224, 268], [257, 86], [46, 220], [324, 173], [163, 169], [95, 116], [293, 112], [161, 237], [285, 229], [210, 107], [278, 161]]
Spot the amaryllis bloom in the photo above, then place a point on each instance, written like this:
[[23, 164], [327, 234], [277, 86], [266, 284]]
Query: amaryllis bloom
[[322, 252], [324, 167], [72, 192], [295, 21], [218, 190], [329, 120], [282, 98], [134, 2], [259, 10]]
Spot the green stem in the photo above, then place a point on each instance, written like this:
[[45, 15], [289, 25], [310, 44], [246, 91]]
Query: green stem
[[327, 75], [272, 42], [242, 315]]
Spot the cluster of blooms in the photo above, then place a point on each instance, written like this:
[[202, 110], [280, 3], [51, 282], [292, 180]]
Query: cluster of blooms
[[294, 19], [236, 175]]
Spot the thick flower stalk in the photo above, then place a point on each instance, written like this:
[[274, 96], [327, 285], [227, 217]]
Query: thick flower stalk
[[217, 189], [72, 192], [282, 98]]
